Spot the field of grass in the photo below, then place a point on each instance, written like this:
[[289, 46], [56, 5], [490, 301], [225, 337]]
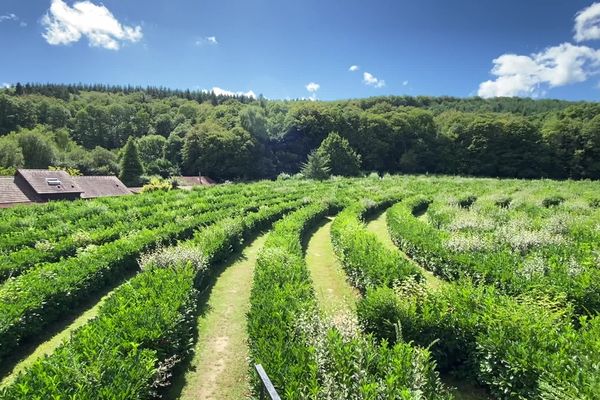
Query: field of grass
[[373, 288]]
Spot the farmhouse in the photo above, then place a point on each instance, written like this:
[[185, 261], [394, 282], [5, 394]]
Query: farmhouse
[[40, 185]]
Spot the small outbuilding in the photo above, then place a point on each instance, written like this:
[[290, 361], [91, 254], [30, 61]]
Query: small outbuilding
[[195, 181]]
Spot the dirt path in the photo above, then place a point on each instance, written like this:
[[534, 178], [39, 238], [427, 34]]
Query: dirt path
[[379, 227], [219, 368], [334, 293]]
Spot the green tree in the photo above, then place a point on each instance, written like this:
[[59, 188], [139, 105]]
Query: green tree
[[316, 166], [131, 166], [151, 148], [10, 153], [343, 160], [212, 150], [37, 150]]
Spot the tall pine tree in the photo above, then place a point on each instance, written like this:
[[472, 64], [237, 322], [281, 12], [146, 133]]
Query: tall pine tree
[[343, 160], [316, 166], [131, 165]]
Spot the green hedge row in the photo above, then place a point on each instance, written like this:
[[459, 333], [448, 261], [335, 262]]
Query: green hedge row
[[146, 327], [367, 261], [31, 301], [517, 348], [304, 356], [425, 244]]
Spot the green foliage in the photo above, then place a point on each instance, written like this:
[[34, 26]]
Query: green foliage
[[157, 184], [378, 313], [343, 160], [316, 166], [131, 165], [367, 262], [37, 150], [11, 155]]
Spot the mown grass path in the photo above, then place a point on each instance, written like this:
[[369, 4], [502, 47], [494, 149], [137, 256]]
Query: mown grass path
[[334, 293], [378, 226], [219, 369]]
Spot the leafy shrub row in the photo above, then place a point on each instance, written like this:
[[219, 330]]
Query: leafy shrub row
[[425, 244], [31, 301], [367, 261], [518, 348], [307, 357], [146, 327]]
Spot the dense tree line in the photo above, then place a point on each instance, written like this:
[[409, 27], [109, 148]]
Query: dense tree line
[[87, 127]]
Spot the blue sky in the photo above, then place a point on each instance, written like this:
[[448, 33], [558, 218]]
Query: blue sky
[[278, 48]]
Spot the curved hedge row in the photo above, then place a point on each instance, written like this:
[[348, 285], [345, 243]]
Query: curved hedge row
[[517, 348], [425, 244], [128, 352], [305, 356], [367, 261], [31, 301]]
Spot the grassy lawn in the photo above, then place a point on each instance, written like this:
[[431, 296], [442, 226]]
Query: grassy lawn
[[333, 291]]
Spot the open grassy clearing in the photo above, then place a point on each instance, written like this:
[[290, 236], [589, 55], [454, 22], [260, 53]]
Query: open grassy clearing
[[334, 294], [378, 226], [219, 369]]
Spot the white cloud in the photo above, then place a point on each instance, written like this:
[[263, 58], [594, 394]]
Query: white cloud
[[222, 92], [66, 25], [313, 87], [405, 83], [353, 68], [8, 17], [208, 40], [587, 23], [5, 85], [519, 75], [370, 80]]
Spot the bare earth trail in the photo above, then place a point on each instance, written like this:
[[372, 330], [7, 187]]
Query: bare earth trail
[[219, 368], [334, 293], [461, 390]]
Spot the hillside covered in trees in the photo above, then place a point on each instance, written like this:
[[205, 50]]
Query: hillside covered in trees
[[184, 132]]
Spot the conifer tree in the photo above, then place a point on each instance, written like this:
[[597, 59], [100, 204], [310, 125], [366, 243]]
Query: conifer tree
[[131, 165]]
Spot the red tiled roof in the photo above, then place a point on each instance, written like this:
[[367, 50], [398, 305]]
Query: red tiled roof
[[38, 180], [100, 186]]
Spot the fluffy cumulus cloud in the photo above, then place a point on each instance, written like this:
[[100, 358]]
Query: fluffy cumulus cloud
[[370, 80], [64, 25], [222, 92], [519, 75], [353, 68], [587, 23], [312, 87]]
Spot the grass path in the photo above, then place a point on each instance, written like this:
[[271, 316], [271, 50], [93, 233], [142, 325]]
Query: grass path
[[379, 227], [219, 368], [334, 293], [48, 346]]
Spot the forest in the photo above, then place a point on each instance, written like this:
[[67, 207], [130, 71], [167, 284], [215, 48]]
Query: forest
[[86, 127]]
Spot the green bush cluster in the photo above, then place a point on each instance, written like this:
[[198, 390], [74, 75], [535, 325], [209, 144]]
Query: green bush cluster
[[427, 244], [519, 348]]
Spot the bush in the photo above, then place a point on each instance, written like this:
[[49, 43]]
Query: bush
[[378, 313]]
